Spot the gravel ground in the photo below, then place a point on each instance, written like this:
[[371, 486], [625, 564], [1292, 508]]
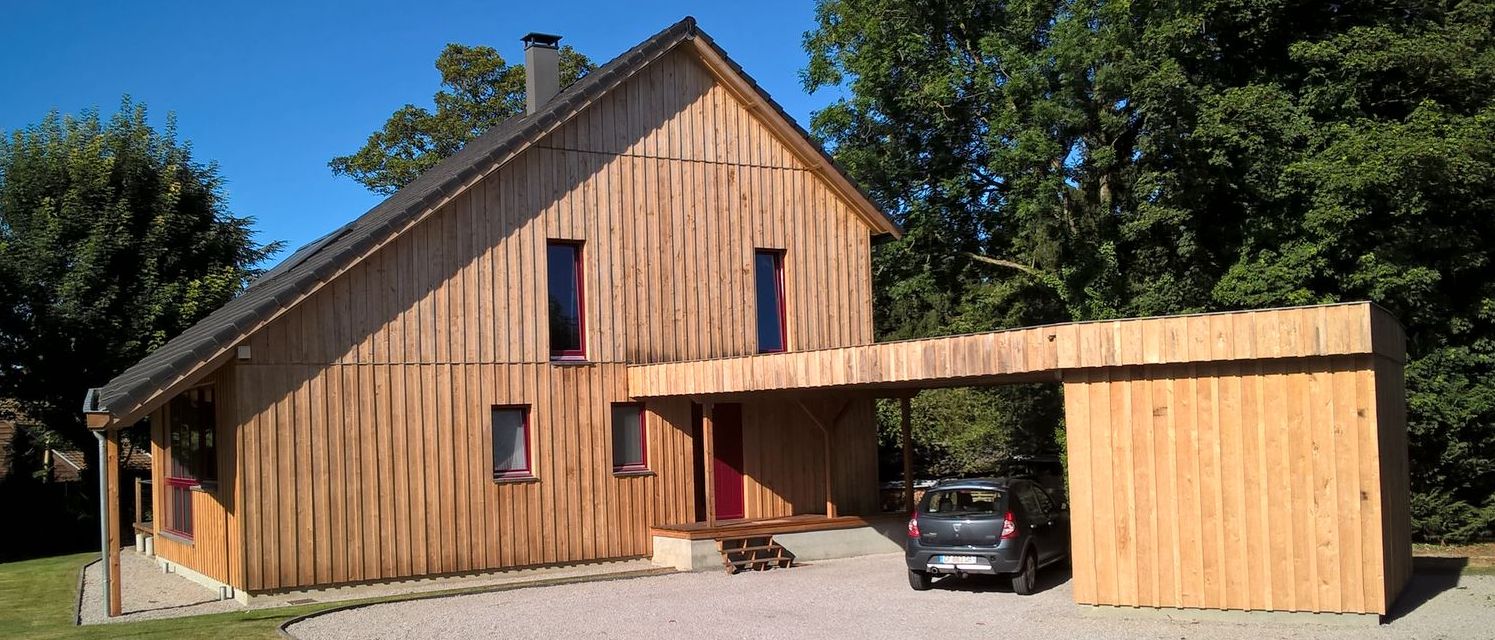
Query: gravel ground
[[149, 593], [856, 598]]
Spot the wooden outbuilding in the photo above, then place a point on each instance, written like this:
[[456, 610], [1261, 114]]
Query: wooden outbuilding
[[644, 309]]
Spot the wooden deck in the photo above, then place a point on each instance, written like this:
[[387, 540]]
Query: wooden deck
[[767, 526]]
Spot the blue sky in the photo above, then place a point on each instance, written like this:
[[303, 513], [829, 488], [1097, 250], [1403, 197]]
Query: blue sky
[[271, 90]]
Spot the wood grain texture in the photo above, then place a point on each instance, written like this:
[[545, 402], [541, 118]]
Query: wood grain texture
[[576, 509], [1250, 485], [216, 548], [669, 183], [1036, 353], [364, 410]]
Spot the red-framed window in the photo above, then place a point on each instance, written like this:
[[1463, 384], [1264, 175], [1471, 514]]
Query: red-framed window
[[568, 325], [192, 454], [630, 438], [511, 440], [768, 277]]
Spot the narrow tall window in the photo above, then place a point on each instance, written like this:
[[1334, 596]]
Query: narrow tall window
[[630, 453], [511, 442], [191, 425], [567, 309], [768, 269]]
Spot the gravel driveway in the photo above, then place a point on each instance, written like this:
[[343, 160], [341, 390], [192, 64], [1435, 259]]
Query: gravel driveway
[[856, 598]]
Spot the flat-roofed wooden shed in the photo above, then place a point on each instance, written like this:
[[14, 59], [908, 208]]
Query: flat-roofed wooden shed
[[1253, 460]]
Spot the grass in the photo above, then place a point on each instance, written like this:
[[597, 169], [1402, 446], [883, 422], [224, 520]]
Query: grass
[[41, 596], [1476, 558]]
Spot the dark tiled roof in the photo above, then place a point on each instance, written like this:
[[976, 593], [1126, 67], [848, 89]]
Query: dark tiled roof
[[130, 458], [321, 259]]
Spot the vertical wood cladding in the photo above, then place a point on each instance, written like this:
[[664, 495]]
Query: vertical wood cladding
[[404, 487], [216, 547], [1258, 485], [364, 412], [670, 185]]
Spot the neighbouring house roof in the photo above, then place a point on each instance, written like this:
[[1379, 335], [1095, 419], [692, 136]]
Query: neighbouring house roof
[[69, 463], [127, 395]]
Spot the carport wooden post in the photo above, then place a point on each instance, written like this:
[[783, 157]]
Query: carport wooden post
[[908, 453], [111, 471], [708, 460]]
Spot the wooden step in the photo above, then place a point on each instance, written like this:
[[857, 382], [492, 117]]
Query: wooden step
[[766, 547], [757, 553]]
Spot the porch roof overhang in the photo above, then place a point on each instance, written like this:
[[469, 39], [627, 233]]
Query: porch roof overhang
[[1034, 354]]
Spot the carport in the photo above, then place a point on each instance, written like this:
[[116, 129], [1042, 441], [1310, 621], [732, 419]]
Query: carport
[[1250, 460]]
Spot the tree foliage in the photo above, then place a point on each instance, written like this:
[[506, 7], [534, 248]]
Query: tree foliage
[[1085, 159], [113, 238], [480, 91]]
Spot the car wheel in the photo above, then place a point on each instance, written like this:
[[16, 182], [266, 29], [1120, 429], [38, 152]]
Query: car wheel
[[1024, 581], [919, 580]]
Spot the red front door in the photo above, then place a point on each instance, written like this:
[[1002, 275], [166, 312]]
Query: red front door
[[727, 467]]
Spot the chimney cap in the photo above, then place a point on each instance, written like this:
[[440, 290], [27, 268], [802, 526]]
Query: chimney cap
[[537, 39]]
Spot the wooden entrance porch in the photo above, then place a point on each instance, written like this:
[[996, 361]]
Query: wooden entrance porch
[[748, 527]]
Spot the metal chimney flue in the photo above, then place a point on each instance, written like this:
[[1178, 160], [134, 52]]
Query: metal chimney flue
[[542, 70]]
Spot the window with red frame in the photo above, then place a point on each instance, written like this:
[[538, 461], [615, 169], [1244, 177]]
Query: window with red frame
[[630, 441], [567, 308], [192, 454], [768, 272], [511, 443]]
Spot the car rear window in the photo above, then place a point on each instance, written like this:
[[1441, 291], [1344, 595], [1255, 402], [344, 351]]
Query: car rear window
[[962, 502]]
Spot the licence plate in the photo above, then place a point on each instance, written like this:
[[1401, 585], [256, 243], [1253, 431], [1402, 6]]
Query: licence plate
[[956, 560]]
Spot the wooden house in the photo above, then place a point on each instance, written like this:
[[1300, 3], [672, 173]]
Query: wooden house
[[640, 312]]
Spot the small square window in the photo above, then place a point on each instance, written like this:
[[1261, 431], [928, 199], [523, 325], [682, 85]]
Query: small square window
[[511, 442], [630, 445]]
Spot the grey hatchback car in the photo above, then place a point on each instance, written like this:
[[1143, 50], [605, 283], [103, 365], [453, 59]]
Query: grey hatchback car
[[992, 526]]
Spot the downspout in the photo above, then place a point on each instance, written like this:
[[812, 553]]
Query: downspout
[[103, 520], [89, 404]]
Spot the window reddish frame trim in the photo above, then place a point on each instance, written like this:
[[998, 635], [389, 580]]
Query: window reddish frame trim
[[643, 437], [581, 302], [529, 466], [178, 496], [179, 488], [778, 279]]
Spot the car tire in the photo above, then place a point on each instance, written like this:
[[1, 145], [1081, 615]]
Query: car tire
[[1025, 581], [919, 580]]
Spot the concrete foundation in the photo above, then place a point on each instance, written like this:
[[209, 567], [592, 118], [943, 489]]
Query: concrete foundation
[[876, 538], [225, 592], [686, 555], [1236, 616]]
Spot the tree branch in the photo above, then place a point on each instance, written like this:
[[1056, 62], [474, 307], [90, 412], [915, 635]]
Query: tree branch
[[1007, 263], [1047, 279]]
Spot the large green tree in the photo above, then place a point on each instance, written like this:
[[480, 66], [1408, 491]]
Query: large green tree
[[480, 90], [1073, 160], [113, 238]]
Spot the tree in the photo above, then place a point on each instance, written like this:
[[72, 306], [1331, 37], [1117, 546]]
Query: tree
[[481, 91], [113, 239], [1088, 159]]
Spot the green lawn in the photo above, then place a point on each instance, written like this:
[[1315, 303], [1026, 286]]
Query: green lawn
[[38, 598], [41, 595]]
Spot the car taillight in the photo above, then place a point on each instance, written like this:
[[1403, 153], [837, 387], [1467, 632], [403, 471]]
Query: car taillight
[[913, 525], [1009, 527]]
